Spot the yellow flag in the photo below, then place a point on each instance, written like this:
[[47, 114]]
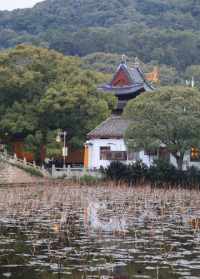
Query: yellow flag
[[154, 76]]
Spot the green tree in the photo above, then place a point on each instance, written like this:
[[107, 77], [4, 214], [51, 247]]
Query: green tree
[[42, 91], [169, 116], [169, 76], [166, 31]]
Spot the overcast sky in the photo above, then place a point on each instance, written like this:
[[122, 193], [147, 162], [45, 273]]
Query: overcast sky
[[14, 4]]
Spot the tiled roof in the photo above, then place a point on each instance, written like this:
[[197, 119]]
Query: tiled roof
[[113, 127], [138, 82], [139, 77], [125, 89]]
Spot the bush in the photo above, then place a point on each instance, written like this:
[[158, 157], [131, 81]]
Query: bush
[[162, 172], [192, 176], [159, 174], [116, 171], [131, 174], [137, 172]]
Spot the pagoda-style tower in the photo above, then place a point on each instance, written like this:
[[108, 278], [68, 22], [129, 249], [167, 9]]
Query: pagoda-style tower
[[127, 83], [106, 142]]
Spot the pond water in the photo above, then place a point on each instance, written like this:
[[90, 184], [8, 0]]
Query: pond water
[[51, 232]]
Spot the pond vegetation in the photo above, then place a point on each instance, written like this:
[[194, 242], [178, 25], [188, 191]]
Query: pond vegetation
[[108, 232]]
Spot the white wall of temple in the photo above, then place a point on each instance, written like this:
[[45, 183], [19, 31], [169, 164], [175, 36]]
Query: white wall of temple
[[94, 151], [95, 161], [94, 146]]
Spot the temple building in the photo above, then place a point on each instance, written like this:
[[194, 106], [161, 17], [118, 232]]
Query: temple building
[[106, 142]]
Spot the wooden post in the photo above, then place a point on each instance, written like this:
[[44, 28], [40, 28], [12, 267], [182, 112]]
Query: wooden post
[[25, 162], [86, 157]]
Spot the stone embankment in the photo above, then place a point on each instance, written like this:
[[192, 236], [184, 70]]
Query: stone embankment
[[12, 175]]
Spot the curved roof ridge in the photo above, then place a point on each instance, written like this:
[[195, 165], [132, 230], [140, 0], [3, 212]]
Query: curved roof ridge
[[142, 76]]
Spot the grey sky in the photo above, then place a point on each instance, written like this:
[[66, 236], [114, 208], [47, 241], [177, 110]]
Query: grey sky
[[14, 4]]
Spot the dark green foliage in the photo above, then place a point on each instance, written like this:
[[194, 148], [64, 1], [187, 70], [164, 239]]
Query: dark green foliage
[[191, 177], [117, 171], [163, 31], [42, 91], [170, 116], [161, 174], [120, 172], [137, 172]]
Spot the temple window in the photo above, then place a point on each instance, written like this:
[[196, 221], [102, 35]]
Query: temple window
[[104, 150], [118, 155], [108, 155]]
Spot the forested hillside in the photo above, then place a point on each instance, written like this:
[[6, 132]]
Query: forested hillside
[[157, 31]]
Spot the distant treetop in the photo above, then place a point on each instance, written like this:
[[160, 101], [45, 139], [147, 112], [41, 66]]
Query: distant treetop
[[163, 31]]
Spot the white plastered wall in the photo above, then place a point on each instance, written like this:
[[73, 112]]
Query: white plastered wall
[[115, 145], [119, 145]]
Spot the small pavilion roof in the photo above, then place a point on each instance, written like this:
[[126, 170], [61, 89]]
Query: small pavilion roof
[[136, 80], [113, 127]]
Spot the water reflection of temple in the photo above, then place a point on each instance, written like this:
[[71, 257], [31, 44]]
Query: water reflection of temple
[[96, 217]]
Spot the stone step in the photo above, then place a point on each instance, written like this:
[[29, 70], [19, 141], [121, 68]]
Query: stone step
[[12, 175]]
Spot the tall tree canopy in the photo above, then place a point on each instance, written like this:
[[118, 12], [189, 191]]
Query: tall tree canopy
[[42, 91], [169, 116]]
